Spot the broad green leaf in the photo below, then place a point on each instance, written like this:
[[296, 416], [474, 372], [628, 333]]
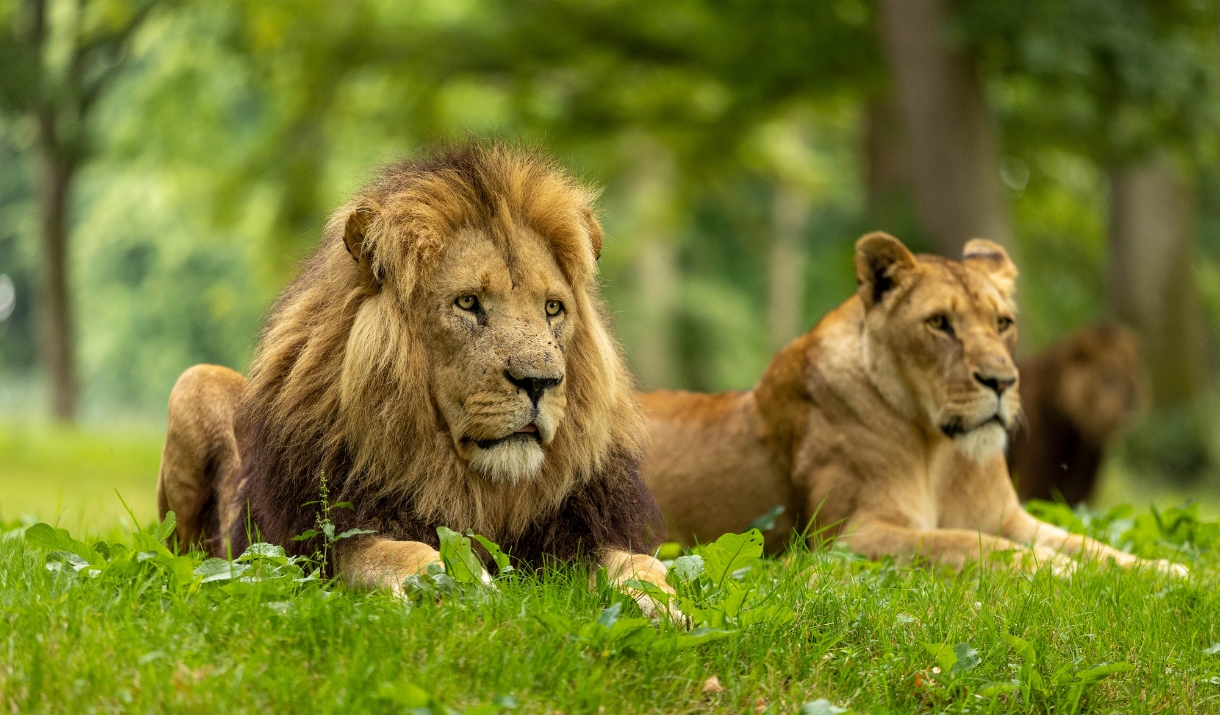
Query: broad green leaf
[[967, 657], [648, 589], [609, 615], [408, 695], [730, 553], [307, 534], [261, 550], [556, 623], [767, 614], [353, 532], [501, 558], [766, 522], [991, 690], [1214, 649], [43, 536], [1023, 648], [945, 656], [699, 636], [220, 570], [687, 568], [822, 707], [461, 563], [1103, 670], [165, 528]]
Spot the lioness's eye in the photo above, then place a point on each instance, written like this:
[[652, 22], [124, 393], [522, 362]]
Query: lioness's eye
[[1004, 323], [940, 322], [467, 302], [553, 308]]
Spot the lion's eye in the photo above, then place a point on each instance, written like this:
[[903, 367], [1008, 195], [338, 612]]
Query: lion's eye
[[553, 308], [467, 302], [1004, 323], [940, 322]]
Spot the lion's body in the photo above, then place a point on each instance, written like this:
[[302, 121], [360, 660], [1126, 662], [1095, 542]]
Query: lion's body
[[443, 361], [884, 425], [1077, 395]]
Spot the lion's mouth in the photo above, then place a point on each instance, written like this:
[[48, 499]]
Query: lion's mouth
[[529, 431], [956, 427]]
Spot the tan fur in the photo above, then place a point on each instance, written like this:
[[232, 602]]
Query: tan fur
[[369, 355], [878, 426], [200, 447]]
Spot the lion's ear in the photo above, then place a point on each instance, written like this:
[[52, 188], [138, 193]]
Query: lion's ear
[[882, 262], [355, 231], [991, 258], [594, 229]]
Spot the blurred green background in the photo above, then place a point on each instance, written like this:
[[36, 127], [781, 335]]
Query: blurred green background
[[165, 165]]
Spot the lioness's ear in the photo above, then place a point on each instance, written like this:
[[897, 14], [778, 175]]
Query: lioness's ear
[[354, 233], [991, 258], [594, 230], [881, 263]]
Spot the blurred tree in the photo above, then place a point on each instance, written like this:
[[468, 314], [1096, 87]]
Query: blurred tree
[[946, 127], [1122, 82], [59, 59]]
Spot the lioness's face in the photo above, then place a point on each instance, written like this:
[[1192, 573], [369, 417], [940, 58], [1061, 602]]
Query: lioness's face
[[945, 335], [502, 318]]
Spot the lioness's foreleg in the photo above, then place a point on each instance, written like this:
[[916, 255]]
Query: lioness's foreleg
[[384, 563], [623, 566], [1022, 526], [953, 547]]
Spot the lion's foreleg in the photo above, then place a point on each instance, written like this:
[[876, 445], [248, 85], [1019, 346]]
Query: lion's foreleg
[[1024, 527], [384, 563], [623, 566]]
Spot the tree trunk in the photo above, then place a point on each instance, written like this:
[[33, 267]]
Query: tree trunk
[[1151, 283], [954, 168], [657, 281], [786, 270], [57, 346]]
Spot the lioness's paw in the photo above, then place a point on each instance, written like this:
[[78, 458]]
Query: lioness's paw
[[1170, 568], [1040, 557]]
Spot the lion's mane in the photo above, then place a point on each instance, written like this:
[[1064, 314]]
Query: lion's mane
[[340, 384]]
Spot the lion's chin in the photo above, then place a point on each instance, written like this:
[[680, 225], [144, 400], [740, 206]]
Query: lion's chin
[[511, 461], [982, 442]]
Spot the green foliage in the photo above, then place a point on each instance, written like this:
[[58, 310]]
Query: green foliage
[[719, 585], [861, 636], [1170, 533]]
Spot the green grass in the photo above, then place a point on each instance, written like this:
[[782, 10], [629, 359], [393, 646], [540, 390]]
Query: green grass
[[814, 625], [839, 628]]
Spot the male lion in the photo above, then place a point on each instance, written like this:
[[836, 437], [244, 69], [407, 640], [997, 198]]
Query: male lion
[[443, 360], [1076, 396], [885, 424]]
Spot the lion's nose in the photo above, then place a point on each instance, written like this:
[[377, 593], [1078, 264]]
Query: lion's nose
[[533, 386], [999, 384]]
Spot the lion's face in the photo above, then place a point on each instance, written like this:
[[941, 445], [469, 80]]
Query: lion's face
[[940, 337], [1100, 382], [500, 320]]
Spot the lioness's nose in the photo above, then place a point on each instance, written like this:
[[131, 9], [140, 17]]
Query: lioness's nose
[[999, 384], [533, 386]]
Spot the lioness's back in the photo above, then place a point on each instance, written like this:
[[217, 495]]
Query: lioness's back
[[703, 448]]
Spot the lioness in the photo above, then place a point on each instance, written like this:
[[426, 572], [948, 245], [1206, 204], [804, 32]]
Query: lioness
[[885, 425], [443, 360]]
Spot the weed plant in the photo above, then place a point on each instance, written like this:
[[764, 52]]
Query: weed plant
[[126, 625]]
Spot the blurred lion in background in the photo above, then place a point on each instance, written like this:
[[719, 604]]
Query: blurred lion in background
[[884, 426], [442, 360], [1076, 396]]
